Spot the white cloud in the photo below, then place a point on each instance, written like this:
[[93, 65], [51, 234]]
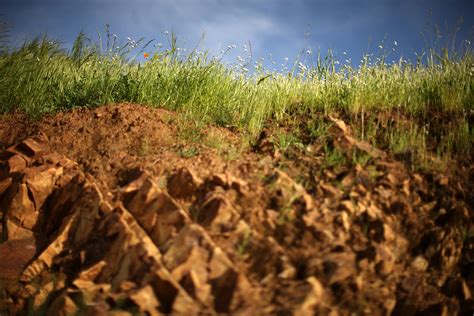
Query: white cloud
[[238, 29], [222, 22]]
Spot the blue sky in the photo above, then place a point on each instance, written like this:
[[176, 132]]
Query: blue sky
[[277, 27]]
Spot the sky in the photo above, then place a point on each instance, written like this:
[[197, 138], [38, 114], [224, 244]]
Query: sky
[[277, 28]]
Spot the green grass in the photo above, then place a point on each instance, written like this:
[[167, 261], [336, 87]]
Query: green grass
[[389, 105]]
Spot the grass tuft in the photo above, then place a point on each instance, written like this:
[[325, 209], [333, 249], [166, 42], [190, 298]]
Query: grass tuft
[[390, 105]]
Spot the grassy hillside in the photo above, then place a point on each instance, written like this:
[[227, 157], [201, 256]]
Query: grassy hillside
[[419, 111]]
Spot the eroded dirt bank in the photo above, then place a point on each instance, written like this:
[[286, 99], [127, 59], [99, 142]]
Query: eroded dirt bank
[[112, 210]]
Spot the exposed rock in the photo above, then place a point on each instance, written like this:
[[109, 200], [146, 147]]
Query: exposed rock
[[91, 224], [183, 184], [15, 254]]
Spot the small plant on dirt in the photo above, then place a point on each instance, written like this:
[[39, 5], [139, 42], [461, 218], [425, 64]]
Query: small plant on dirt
[[360, 157], [284, 141], [190, 131], [285, 215], [334, 157], [286, 212], [168, 119], [230, 153], [318, 128], [373, 172], [244, 242], [162, 182], [144, 148], [188, 152], [214, 141], [217, 141]]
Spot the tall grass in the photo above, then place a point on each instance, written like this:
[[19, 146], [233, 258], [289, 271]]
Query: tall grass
[[40, 77]]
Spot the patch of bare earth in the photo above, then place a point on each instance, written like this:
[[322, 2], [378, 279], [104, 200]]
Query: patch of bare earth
[[103, 213]]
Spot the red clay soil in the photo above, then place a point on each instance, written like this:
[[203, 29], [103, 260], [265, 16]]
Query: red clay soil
[[111, 210]]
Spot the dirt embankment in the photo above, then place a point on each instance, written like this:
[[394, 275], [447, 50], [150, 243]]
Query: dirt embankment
[[109, 210]]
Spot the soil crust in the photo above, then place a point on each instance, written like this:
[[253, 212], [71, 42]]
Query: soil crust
[[123, 208]]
